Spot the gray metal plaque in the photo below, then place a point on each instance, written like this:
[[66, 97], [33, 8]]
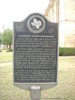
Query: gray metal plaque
[[35, 50]]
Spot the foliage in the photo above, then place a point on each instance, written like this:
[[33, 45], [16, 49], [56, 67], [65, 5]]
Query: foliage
[[0, 38], [66, 51], [7, 37]]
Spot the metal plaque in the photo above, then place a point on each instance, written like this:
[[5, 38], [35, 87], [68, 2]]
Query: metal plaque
[[35, 51]]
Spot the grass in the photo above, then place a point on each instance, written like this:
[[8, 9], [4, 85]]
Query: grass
[[64, 89], [5, 56], [66, 80]]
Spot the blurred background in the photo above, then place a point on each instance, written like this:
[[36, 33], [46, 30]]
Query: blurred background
[[56, 11]]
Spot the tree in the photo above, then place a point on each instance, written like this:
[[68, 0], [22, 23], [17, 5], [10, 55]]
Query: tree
[[7, 38], [0, 38]]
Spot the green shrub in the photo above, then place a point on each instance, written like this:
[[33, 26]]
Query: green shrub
[[66, 51]]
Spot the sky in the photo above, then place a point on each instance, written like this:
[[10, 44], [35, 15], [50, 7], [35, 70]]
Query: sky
[[17, 10]]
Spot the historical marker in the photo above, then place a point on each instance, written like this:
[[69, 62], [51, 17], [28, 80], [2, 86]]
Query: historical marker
[[35, 52]]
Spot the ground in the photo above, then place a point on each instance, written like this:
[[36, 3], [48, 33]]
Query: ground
[[5, 56], [65, 89]]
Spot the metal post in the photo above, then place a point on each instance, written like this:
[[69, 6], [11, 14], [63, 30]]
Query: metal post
[[35, 93]]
